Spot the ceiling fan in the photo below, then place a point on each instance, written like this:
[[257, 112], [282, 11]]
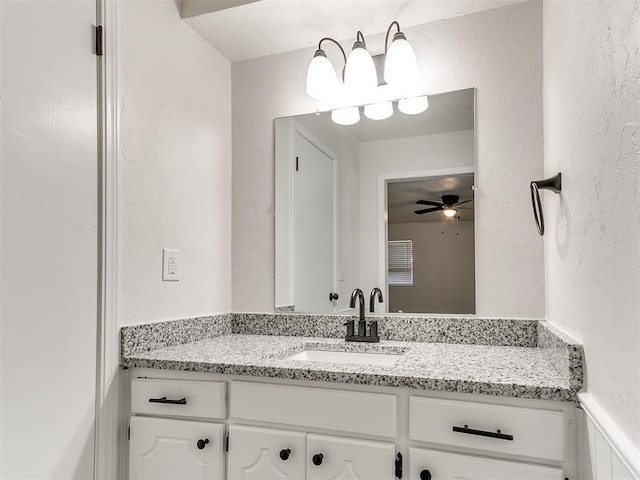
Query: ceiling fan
[[449, 205]]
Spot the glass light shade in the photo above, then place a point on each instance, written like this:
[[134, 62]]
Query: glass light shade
[[360, 72], [400, 66], [413, 105], [346, 116], [378, 111], [450, 212], [322, 81]]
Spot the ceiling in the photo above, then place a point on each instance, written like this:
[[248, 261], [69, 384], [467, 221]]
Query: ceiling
[[402, 198], [245, 29]]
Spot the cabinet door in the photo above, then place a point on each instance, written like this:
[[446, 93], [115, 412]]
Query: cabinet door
[[265, 454], [175, 449], [430, 464], [341, 458]]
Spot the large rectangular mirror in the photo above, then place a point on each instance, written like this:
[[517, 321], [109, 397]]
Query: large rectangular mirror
[[381, 203]]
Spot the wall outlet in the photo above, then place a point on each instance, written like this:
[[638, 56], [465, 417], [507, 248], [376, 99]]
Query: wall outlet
[[170, 265]]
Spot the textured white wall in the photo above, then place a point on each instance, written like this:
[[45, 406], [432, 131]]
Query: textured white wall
[[500, 53], [49, 252], [592, 246], [175, 166]]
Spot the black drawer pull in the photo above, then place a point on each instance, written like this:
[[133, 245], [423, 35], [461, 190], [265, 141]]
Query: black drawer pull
[[182, 401], [483, 433]]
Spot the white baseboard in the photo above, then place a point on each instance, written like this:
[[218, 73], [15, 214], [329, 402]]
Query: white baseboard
[[606, 453]]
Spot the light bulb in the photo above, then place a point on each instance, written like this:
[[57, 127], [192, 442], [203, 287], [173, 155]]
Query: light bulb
[[321, 77], [378, 111], [413, 105], [360, 72], [346, 116], [400, 67], [450, 212]]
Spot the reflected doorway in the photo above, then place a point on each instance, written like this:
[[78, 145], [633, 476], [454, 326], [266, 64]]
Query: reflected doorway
[[431, 246]]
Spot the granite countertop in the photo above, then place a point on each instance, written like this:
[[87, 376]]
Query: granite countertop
[[506, 370]]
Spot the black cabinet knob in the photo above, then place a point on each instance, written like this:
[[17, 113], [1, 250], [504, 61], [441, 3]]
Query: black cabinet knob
[[284, 453], [202, 443], [333, 296], [425, 475], [317, 459]]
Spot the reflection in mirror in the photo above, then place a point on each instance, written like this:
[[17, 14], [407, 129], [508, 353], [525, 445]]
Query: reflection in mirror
[[344, 192], [430, 231]]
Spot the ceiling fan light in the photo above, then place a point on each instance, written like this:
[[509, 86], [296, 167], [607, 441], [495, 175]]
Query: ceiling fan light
[[378, 111], [321, 77], [360, 72], [450, 212], [413, 105], [400, 66], [346, 116]]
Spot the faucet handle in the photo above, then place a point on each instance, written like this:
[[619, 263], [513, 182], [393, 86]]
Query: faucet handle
[[350, 328]]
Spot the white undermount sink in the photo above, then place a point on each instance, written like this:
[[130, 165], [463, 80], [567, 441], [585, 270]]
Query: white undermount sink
[[358, 358]]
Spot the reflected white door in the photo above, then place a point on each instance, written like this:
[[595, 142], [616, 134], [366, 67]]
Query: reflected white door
[[314, 225], [265, 454], [175, 449]]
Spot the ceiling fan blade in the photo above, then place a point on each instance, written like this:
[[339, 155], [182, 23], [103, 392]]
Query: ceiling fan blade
[[460, 203], [428, 210], [464, 208], [429, 202]]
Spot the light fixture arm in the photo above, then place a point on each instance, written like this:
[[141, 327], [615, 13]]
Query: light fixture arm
[[386, 38], [360, 38], [344, 56]]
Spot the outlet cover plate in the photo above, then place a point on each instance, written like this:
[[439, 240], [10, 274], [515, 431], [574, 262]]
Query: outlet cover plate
[[170, 265]]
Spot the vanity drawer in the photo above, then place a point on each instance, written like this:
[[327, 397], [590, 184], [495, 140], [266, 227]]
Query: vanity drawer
[[342, 410], [523, 431], [179, 398]]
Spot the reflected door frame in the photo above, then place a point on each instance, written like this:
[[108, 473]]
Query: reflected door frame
[[382, 214], [285, 193]]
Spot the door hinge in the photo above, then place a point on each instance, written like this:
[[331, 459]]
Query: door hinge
[[128, 433], [99, 41], [399, 466], [297, 166], [226, 443]]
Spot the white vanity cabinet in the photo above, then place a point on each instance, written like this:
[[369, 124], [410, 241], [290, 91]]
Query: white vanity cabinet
[[343, 458], [426, 464], [171, 432], [270, 454], [292, 429], [265, 454], [175, 449]]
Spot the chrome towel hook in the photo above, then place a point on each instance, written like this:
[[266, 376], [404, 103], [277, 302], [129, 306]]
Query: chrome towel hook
[[552, 183]]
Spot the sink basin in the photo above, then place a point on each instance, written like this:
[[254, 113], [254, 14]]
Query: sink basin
[[358, 358]]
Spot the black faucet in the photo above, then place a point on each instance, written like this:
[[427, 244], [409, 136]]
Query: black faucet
[[362, 323], [372, 299]]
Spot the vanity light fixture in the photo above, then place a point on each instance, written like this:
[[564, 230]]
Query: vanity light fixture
[[378, 111], [346, 116], [400, 66], [322, 81], [359, 75], [413, 105], [359, 70]]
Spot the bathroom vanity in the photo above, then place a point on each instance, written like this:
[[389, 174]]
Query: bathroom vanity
[[242, 404]]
